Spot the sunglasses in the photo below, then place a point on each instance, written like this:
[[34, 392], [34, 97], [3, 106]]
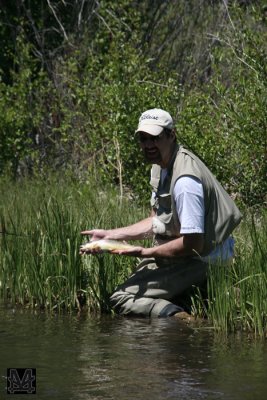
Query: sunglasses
[[154, 139]]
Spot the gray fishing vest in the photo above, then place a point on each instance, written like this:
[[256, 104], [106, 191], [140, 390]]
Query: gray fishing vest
[[221, 213]]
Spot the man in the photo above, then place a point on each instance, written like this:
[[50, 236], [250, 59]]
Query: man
[[191, 222]]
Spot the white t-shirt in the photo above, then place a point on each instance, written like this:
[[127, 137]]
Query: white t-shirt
[[189, 199]]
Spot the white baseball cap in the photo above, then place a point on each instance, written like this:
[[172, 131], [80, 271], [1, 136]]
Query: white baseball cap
[[154, 121]]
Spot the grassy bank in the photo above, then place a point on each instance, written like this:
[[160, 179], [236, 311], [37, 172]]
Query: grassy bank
[[40, 265]]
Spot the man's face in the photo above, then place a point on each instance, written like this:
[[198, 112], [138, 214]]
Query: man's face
[[157, 149]]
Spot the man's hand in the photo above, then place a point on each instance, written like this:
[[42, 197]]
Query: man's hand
[[97, 234]]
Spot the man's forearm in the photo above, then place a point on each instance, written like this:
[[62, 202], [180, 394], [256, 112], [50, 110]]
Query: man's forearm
[[140, 230], [186, 245]]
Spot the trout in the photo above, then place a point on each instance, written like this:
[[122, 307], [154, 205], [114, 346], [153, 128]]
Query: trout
[[104, 245]]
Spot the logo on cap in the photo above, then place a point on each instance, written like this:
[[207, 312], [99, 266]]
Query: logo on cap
[[148, 116]]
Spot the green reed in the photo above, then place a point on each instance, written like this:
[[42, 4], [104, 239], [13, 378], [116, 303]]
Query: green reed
[[237, 295], [40, 224]]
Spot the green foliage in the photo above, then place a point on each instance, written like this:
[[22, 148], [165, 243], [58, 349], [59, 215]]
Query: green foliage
[[72, 100], [225, 121], [19, 115]]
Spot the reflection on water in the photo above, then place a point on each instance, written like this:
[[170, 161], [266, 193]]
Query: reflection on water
[[119, 358]]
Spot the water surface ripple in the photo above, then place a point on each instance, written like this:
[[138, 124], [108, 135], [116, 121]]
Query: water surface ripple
[[133, 359]]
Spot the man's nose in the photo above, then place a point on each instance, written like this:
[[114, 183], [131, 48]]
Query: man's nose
[[149, 142]]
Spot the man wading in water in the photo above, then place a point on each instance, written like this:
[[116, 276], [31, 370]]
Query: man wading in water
[[191, 222]]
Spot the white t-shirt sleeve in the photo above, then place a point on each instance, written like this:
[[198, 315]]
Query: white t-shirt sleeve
[[189, 199]]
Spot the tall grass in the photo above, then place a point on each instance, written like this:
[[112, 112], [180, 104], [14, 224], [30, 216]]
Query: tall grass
[[237, 295], [40, 265], [40, 224]]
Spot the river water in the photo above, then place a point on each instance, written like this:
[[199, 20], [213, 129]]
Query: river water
[[129, 359]]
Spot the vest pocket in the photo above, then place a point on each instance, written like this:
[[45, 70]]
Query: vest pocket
[[154, 201], [164, 211]]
